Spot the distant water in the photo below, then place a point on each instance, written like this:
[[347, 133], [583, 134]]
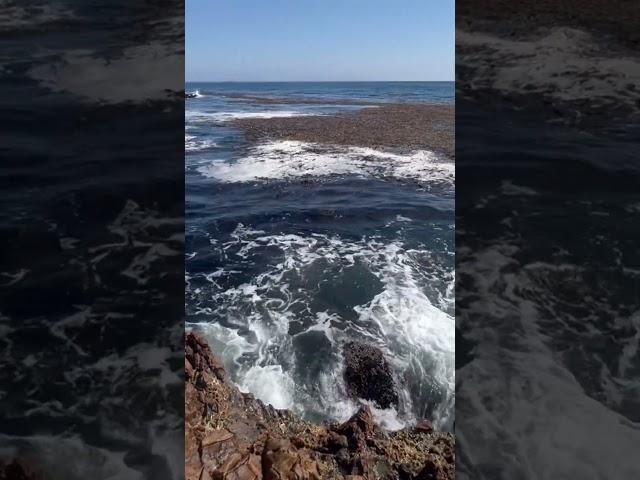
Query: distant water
[[293, 249], [375, 91]]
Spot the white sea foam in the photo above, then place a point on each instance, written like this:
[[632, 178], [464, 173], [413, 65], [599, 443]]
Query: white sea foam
[[195, 144], [270, 384], [279, 160], [387, 418], [410, 320], [194, 116], [226, 342]]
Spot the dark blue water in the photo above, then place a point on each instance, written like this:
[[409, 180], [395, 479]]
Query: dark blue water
[[435, 92], [294, 249]]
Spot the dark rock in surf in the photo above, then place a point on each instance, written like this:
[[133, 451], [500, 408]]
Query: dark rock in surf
[[368, 374]]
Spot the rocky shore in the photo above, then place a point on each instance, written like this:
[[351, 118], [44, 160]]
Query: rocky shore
[[402, 126], [231, 435]]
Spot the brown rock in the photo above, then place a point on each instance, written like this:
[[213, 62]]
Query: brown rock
[[240, 467], [358, 430], [199, 357], [281, 460], [434, 470], [424, 426], [216, 452], [336, 442]]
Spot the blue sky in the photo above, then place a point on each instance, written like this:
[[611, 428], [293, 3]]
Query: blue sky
[[321, 40]]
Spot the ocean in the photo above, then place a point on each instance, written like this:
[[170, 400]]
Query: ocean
[[293, 250]]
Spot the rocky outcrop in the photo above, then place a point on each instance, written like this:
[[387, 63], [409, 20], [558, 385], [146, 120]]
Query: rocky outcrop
[[368, 375], [231, 435], [395, 126]]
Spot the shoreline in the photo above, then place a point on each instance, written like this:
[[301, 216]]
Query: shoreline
[[230, 433], [399, 126]]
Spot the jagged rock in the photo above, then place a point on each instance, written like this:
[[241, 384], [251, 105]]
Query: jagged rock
[[233, 436], [434, 470], [368, 374], [282, 460], [217, 447], [358, 429], [336, 442], [239, 467], [200, 358]]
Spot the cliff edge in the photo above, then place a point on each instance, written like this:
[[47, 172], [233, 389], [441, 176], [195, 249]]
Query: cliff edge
[[233, 436]]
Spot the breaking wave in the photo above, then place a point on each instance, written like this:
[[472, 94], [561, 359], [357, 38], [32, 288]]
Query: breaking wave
[[278, 160], [207, 117], [281, 330], [194, 144]]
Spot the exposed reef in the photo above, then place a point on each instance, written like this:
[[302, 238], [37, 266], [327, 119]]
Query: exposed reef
[[402, 126]]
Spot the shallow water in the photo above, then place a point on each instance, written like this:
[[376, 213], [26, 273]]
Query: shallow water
[[294, 248]]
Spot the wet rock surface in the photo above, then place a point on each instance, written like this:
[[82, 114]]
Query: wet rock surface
[[368, 374], [231, 435], [404, 126]]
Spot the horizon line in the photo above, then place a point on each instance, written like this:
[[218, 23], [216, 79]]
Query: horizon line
[[313, 81]]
